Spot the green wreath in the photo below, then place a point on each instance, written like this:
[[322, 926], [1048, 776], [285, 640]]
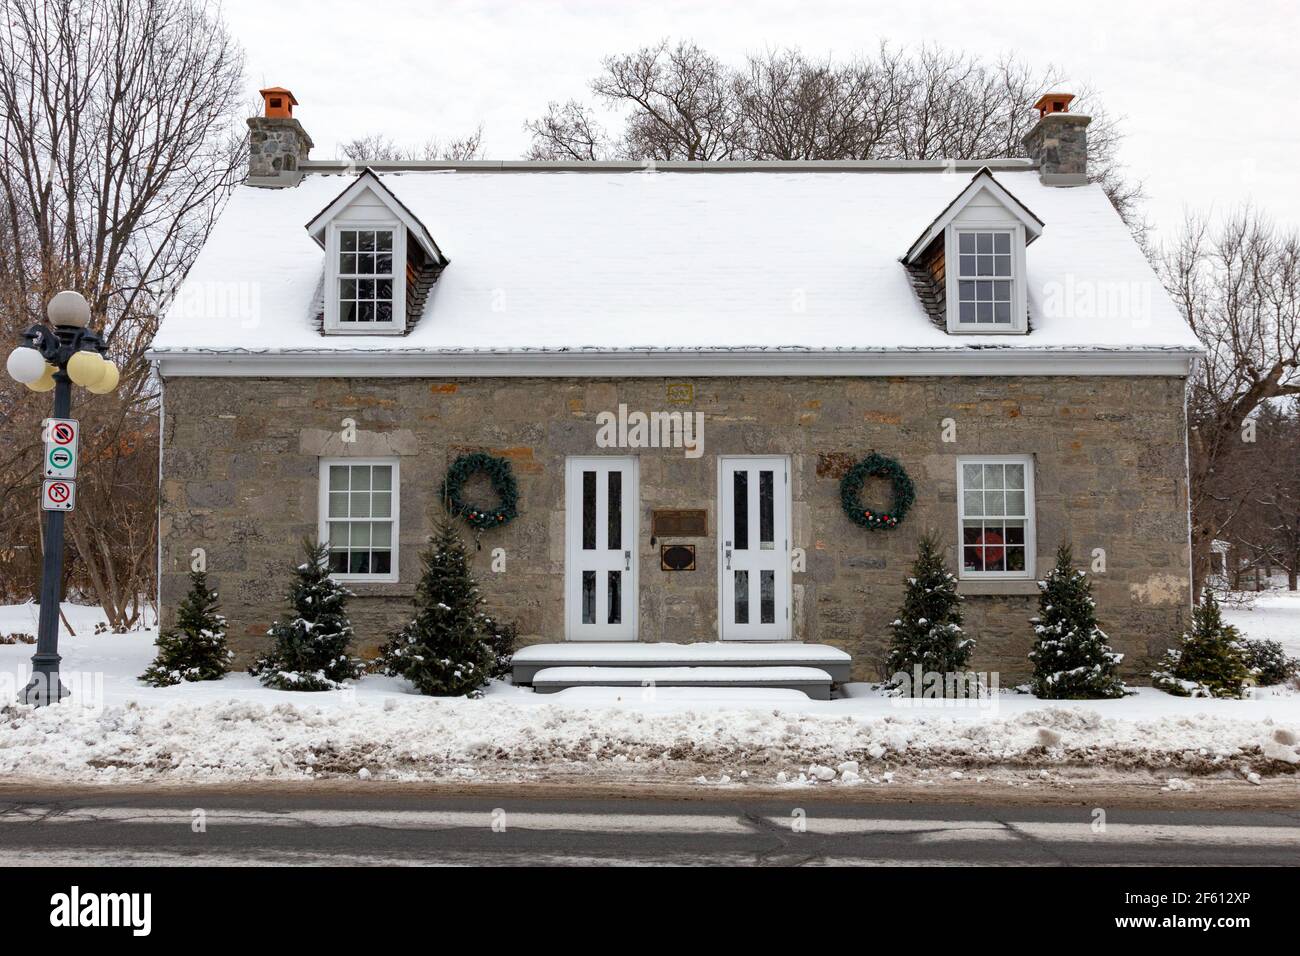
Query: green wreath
[[876, 466], [503, 483]]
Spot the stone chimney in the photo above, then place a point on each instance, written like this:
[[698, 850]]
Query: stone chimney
[[277, 143], [1059, 143]]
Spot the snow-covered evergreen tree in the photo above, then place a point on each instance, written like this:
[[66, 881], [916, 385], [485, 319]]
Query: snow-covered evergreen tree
[[1071, 657], [195, 649], [502, 638], [311, 645], [927, 631], [446, 649], [1210, 660]]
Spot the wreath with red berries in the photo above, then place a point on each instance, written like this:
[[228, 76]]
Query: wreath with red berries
[[876, 466], [501, 475]]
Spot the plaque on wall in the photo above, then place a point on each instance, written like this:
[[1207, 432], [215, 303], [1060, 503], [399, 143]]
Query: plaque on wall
[[677, 557], [679, 523]]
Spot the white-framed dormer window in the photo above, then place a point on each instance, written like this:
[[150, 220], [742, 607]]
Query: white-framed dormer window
[[366, 285], [995, 516], [985, 276], [359, 515]]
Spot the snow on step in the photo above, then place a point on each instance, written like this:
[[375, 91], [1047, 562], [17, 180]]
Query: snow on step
[[529, 660], [812, 681]]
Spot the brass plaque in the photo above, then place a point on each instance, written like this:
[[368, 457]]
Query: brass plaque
[[677, 557], [681, 393], [679, 523]]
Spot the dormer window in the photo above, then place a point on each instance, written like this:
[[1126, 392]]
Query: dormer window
[[986, 290], [380, 261], [370, 290], [969, 264]]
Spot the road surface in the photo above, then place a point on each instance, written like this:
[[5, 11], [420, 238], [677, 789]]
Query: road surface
[[173, 827]]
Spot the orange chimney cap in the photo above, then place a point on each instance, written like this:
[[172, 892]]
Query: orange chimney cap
[[279, 101], [1053, 103]]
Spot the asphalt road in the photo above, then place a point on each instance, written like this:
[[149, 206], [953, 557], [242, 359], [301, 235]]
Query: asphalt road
[[414, 828]]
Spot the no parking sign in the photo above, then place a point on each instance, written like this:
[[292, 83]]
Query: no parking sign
[[58, 495]]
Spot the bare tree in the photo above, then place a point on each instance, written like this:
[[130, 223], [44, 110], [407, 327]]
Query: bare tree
[[379, 148], [1238, 286], [681, 102], [119, 142]]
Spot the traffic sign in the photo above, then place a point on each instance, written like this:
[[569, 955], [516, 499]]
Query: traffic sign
[[58, 495], [61, 448]]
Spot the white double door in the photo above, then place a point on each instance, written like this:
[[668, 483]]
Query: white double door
[[754, 548], [601, 504]]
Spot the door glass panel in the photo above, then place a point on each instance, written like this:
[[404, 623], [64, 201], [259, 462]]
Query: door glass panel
[[742, 595], [765, 511], [740, 509], [615, 597], [588, 597], [589, 512], [615, 536], [767, 597]]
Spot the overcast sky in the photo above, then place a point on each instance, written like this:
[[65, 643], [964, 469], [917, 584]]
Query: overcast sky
[[1207, 89]]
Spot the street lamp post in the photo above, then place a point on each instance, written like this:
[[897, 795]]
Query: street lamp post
[[55, 357]]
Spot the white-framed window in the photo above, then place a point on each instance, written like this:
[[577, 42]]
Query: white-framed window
[[985, 272], [995, 516], [366, 287], [359, 515]]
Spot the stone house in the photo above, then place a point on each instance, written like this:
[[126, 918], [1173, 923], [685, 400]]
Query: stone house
[[680, 362]]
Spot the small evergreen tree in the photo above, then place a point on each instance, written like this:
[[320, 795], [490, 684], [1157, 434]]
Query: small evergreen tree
[[1071, 657], [927, 632], [310, 650], [195, 649], [1211, 659], [445, 650]]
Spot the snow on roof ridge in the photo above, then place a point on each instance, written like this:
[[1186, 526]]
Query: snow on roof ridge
[[349, 167]]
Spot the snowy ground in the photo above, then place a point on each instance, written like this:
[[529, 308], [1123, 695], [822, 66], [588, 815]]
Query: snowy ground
[[120, 731]]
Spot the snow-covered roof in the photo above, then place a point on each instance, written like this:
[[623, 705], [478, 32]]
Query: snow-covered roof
[[613, 262]]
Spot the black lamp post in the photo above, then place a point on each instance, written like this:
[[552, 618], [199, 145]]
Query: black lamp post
[[55, 357]]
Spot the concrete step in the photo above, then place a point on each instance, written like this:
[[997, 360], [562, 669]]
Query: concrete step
[[529, 660], [814, 682]]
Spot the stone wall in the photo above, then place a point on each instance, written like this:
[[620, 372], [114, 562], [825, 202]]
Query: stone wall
[[240, 462]]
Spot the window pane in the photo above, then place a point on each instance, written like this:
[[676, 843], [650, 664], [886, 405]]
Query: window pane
[[1014, 532], [366, 241], [765, 504], [767, 597], [985, 266], [359, 562], [967, 265], [384, 289], [1015, 503], [742, 597], [1015, 476], [381, 477], [615, 597], [347, 311], [973, 503], [348, 240], [359, 535], [365, 265], [967, 312], [360, 477], [588, 597], [1001, 291], [966, 241], [338, 562], [966, 291], [338, 535], [993, 476], [589, 515], [1002, 265], [381, 534], [383, 265], [347, 265], [347, 288], [615, 508], [384, 240], [384, 312], [338, 477], [984, 242], [972, 476], [1002, 312], [995, 503], [985, 312], [740, 509], [381, 562], [360, 504], [338, 505], [381, 505]]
